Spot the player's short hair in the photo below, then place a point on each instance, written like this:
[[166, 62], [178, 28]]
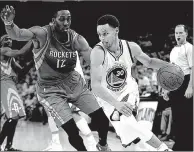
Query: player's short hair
[[184, 26], [56, 12], [108, 19]]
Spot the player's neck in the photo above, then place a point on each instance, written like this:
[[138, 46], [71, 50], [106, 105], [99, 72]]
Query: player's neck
[[115, 47]]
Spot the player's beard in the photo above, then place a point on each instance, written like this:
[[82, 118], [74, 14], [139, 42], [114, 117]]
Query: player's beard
[[60, 29]]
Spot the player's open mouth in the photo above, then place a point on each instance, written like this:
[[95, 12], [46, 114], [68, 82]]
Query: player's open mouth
[[178, 39]]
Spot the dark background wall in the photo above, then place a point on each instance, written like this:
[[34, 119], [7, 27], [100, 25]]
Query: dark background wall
[[136, 17]]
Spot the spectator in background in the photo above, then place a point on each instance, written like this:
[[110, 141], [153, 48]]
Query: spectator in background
[[152, 75], [144, 84]]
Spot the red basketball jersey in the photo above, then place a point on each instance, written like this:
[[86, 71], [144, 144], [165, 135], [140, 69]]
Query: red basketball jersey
[[55, 60]]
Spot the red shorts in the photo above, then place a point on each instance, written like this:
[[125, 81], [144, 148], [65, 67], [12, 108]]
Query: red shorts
[[52, 97], [10, 100]]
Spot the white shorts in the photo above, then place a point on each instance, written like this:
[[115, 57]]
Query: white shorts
[[127, 128]]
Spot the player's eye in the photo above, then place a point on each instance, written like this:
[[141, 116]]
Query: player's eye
[[63, 18], [69, 19], [104, 34]]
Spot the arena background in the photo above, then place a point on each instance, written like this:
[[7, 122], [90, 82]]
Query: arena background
[[148, 23]]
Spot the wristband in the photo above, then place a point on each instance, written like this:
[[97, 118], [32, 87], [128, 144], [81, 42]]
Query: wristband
[[8, 22]]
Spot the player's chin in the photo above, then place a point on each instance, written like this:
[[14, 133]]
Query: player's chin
[[64, 30]]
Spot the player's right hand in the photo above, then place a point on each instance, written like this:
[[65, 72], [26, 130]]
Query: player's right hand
[[165, 94], [125, 108], [8, 14]]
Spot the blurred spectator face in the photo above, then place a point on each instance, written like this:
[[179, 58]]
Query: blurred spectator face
[[150, 71], [180, 34], [149, 89]]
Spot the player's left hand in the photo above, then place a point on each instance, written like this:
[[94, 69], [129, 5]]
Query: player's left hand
[[189, 92]]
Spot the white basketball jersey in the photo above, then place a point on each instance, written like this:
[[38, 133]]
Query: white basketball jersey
[[116, 77]]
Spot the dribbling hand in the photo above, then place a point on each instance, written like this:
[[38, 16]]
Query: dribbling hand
[[8, 14], [125, 108], [165, 94]]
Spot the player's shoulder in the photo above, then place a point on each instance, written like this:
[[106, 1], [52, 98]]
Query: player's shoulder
[[132, 44], [135, 48], [99, 47], [98, 51], [39, 31], [75, 37], [73, 33]]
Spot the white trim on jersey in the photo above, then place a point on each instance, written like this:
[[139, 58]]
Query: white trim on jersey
[[78, 67]]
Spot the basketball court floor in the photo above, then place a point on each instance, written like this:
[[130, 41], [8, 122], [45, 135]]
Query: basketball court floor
[[34, 136]]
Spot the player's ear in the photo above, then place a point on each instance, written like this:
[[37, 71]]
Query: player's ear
[[117, 30], [53, 20]]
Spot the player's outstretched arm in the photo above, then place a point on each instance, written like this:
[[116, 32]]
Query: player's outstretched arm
[[97, 57], [7, 51], [16, 33], [145, 59]]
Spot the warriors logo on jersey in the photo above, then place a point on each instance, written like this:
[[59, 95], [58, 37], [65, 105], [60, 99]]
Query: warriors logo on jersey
[[116, 77]]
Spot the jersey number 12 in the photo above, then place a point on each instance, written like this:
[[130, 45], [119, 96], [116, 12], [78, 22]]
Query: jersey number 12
[[60, 63]]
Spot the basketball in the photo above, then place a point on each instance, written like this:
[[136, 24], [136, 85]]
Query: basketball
[[170, 77]]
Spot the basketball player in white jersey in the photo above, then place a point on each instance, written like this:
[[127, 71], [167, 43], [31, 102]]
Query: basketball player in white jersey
[[111, 62], [81, 123]]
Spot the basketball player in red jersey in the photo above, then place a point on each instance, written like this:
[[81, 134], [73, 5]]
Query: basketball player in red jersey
[[58, 82], [111, 62], [10, 99]]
